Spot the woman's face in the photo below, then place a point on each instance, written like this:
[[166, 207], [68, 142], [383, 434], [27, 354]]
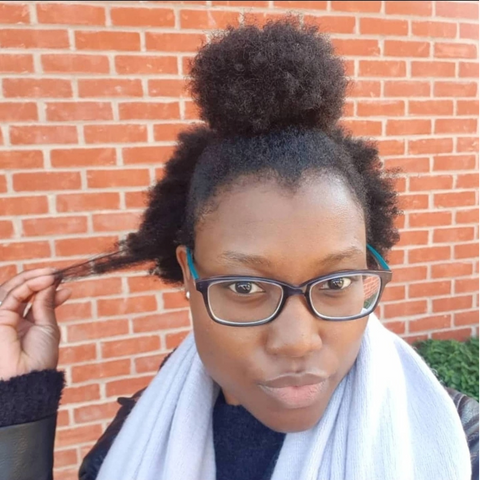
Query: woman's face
[[262, 230]]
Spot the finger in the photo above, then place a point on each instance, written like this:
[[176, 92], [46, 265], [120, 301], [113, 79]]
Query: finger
[[45, 302], [18, 297], [17, 280], [61, 296]]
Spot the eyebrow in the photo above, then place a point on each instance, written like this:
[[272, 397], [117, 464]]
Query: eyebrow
[[259, 261]]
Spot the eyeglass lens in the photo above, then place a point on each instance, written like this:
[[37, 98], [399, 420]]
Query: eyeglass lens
[[341, 297]]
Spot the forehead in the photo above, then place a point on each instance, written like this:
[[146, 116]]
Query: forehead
[[318, 219]]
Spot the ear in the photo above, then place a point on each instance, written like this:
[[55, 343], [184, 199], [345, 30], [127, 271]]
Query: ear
[[181, 253]]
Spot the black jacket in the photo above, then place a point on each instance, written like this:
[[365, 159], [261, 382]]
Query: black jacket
[[26, 445]]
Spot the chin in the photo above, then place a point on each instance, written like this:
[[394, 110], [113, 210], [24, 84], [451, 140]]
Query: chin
[[292, 421]]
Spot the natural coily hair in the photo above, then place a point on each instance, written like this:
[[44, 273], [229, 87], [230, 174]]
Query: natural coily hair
[[270, 99]]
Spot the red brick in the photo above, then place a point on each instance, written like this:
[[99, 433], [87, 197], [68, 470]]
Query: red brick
[[329, 24], [382, 68], [119, 133], [149, 110], [261, 19], [71, 312], [159, 322], [469, 30], [192, 112], [146, 155], [175, 300], [115, 222], [16, 63], [33, 38], [397, 48], [451, 270], [430, 107], [100, 370], [433, 69], [6, 229], [409, 127], [96, 330], [23, 205], [77, 354], [106, 87], [469, 215], [466, 285], [18, 112], [428, 145], [372, 7], [364, 88], [127, 386], [434, 29], [86, 202], [173, 340], [431, 182], [396, 327], [413, 202], [393, 293], [466, 318], [54, 226], [287, 5], [24, 250], [468, 250], [65, 458], [211, 19], [454, 234], [454, 162], [76, 435], [391, 147], [405, 309], [456, 9], [125, 306], [71, 111], [83, 157], [73, 14], [142, 17], [42, 134], [452, 303], [428, 254], [94, 412], [11, 13], [149, 363], [168, 132], [455, 89], [454, 199], [96, 287], [380, 26], [455, 50], [363, 127], [407, 88], [467, 107], [79, 246], [430, 219], [20, 159], [130, 346], [145, 65], [460, 334], [167, 88], [86, 393], [6, 272], [409, 8], [430, 289], [3, 183], [430, 323], [75, 63], [467, 144], [46, 181], [174, 42], [117, 178], [413, 237], [107, 40], [37, 87], [363, 47]]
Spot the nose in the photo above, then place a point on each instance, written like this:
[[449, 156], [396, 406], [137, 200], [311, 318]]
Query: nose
[[295, 333]]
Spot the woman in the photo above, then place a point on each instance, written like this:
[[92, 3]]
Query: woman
[[276, 223]]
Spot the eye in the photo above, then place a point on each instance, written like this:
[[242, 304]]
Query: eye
[[245, 288], [339, 283]]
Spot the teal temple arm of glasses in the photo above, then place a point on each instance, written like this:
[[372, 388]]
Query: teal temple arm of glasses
[[377, 256]]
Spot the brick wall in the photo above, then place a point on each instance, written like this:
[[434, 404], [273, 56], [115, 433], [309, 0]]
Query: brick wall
[[92, 100]]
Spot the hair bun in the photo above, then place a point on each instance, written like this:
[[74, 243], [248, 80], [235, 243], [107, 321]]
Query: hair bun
[[250, 80]]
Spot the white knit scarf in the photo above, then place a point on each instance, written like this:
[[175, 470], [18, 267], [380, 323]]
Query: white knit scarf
[[388, 419]]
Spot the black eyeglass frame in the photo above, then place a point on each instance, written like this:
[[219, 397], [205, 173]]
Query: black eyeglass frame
[[202, 285]]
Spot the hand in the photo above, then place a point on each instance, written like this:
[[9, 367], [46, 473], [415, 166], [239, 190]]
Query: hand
[[29, 342]]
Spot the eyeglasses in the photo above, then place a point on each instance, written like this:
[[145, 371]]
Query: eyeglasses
[[242, 301]]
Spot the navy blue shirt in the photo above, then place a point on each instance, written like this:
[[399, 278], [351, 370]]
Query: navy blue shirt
[[245, 449]]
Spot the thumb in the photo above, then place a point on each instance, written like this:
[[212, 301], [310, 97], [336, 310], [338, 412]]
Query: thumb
[[43, 307]]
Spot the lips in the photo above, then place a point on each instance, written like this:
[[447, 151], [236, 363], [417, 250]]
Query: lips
[[297, 390]]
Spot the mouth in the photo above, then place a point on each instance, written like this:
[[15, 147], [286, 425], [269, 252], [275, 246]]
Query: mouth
[[296, 391]]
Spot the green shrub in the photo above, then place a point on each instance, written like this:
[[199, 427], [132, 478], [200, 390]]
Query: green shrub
[[455, 363]]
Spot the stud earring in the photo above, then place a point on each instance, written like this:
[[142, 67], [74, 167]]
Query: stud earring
[[187, 294]]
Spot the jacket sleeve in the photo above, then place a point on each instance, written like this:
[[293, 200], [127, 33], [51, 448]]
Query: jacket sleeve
[[28, 419]]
